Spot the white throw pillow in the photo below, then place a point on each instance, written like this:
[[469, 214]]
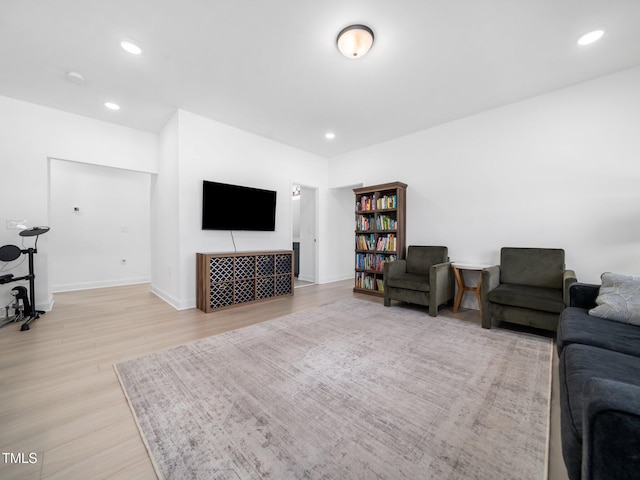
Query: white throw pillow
[[619, 298]]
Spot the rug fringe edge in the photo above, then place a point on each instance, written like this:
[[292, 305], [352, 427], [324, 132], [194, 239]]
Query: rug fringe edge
[[156, 467]]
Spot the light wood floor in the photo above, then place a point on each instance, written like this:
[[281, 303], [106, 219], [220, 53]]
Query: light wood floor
[[59, 395]]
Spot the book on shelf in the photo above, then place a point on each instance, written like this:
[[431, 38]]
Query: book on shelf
[[365, 281], [369, 261], [385, 202], [386, 222], [381, 259], [377, 201], [386, 243], [365, 261], [364, 204], [364, 222], [365, 241]]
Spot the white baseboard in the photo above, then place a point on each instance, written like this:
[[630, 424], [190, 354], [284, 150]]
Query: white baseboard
[[45, 307], [70, 287], [337, 278], [174, 302]]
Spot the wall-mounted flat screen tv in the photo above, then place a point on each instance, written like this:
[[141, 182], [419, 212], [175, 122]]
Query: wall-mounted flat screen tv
[[234, 207]]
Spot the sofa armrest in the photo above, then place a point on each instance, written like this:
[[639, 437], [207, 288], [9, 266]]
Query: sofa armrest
[[490, 280], [441, 286], [583, 295], [611, 430], [394, 268], [568, 279]]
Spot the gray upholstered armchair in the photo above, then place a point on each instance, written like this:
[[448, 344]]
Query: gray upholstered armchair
[[529, 287], [423, 278]]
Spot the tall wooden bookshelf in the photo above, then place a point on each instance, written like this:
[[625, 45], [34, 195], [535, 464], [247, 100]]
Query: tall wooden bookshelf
[[380, 233]]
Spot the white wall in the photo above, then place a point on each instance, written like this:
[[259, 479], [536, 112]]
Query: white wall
[[559, 170], [106, 241], [165, 247], [29, 135], [209, 150], [339, 246]]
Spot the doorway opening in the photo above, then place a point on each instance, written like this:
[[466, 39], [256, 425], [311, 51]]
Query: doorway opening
[[304, 228], [102, 234]]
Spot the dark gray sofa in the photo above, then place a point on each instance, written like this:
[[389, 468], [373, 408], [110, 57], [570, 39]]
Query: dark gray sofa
[[599, 375]]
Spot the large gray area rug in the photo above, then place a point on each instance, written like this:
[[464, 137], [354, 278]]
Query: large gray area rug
[[349, 390]]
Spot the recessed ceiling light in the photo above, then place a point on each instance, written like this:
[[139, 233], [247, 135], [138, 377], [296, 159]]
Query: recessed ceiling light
[[112, 106], [329, 135], [75, 77], [590, 37], [131, 46]]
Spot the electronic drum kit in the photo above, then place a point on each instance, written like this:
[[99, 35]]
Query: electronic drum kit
[[23, 305]]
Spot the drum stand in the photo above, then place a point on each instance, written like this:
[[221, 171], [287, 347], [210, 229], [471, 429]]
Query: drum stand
[[9, 253], [20, 294]]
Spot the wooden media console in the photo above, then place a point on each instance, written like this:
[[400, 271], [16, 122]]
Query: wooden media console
[[226, 280]]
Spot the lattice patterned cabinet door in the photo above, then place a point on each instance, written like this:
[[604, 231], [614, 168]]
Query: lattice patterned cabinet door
[[245, 267], [265, 265], [245, 291], [283, 263], [220, 269], [220, 295], [264, 287], [283, 285]]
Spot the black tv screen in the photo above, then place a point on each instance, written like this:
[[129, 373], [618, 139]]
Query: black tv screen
[[234, 207]]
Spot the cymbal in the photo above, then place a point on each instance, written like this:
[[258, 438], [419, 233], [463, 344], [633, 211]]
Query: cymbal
[[34, 231]]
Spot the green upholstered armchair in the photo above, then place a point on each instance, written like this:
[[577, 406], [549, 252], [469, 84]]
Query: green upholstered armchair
[[423, 278], [529, 287]]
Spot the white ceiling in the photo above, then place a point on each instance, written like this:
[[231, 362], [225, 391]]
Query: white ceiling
[[272, 67]]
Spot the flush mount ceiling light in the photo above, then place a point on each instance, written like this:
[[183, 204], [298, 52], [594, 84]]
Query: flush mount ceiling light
[[355, 41], [329, 135], [590, 37], [130, 46], [112, 106]]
